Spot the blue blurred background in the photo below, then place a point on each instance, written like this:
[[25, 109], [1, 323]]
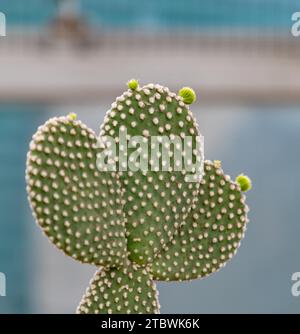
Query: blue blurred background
[[240, 57]]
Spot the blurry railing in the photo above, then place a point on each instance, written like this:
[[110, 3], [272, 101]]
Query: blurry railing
[[228, 49], [123, 41]]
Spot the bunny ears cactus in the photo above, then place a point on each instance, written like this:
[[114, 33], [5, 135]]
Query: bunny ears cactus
[[164, 221]]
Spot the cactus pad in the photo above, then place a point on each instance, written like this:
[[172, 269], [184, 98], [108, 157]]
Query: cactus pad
[[126, 290], [78, 207], [211, 237], [156, 201], [174, 218]]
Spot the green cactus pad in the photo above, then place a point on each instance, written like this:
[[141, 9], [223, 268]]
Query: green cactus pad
[[121, 291], [156, 202], [78, 207], [211, 237], [138, 223]]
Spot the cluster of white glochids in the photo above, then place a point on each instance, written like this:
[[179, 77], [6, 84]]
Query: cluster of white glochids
[[156, 202], [211, 237], [129, 290], [138, 226]]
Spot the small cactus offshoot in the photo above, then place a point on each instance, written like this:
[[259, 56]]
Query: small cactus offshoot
[[188, 95], [138, 225]]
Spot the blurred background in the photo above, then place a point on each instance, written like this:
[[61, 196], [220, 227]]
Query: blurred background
[[242, 60]]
